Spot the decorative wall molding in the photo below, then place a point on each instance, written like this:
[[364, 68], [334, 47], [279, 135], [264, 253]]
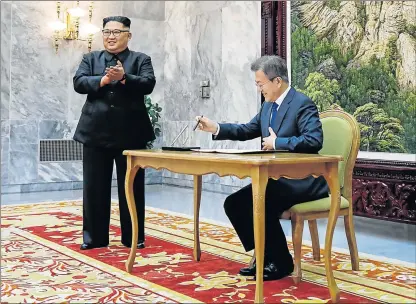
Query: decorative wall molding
[[273, 29], [273, 24], [385, 189], [266, 9]]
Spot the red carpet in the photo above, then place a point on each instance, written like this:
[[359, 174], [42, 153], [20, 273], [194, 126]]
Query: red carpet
[[165, 268]]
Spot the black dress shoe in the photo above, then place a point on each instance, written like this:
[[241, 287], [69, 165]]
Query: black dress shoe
[[85, 246], [140, 245], [248, 271], [271, 272]]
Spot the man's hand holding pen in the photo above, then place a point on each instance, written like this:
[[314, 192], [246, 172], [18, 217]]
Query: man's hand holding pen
[[206, 124]]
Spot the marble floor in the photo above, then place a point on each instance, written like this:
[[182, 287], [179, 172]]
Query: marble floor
[[382, 238]]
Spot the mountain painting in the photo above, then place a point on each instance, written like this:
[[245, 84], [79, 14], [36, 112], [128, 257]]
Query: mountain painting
[[360, 56]]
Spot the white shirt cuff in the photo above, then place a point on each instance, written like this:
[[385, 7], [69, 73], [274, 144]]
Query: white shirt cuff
[[218, 130]]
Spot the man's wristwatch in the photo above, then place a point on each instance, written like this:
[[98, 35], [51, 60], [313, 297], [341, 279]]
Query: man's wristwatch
[[124, 77]]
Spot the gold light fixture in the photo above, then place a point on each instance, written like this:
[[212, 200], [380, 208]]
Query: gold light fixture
[[69, 27]]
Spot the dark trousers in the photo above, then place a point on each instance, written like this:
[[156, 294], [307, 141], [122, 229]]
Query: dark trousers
[[98, 171], [280, 196]]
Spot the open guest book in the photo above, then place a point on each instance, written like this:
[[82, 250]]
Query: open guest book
[[237, 151]]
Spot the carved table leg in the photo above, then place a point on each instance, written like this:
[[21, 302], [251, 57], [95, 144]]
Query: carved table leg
[[197, 204], [333, 183], [259, 178], [130, 175]]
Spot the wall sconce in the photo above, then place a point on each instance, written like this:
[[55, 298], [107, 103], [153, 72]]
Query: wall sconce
[[70, 29]]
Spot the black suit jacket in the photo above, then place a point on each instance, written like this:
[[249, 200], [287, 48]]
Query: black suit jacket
[[115, 116], [298, 129]]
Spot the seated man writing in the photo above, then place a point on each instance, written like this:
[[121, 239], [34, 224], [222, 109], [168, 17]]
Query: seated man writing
[[288, 120]]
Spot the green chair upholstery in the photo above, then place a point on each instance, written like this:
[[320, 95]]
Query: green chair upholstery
[[320, 205], [338, 140]]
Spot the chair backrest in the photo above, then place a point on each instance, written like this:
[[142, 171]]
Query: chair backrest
[[341, 137]]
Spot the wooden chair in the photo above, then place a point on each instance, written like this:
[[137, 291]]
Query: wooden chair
[[341, 137]]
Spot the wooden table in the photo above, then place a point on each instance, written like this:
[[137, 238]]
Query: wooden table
[[257, 166]]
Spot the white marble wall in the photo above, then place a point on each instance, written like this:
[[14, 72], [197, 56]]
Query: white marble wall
[[5, 88], [37, 96], [215, 41]]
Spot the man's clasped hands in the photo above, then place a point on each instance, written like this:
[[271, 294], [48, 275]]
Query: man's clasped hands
[[114, 73]]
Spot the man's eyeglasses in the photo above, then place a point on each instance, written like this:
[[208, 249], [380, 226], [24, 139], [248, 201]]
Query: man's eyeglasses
[[116, 33], [260, 86]]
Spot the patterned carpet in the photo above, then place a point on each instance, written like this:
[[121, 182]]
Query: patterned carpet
[[41, 262]]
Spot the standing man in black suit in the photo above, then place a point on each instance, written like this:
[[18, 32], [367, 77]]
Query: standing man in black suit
[[288, 120], [114, 118]]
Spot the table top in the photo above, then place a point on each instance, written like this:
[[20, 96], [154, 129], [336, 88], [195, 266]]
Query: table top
[[258, 159]]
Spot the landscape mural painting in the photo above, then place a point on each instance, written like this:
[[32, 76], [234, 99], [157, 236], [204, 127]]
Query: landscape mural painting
[[360, 56]]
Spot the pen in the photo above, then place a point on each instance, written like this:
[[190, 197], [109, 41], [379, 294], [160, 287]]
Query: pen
[[197, 123]]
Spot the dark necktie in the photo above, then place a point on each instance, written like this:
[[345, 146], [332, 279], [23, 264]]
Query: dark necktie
[[274, 115]]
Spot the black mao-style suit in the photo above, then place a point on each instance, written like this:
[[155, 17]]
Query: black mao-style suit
[[114, 118]]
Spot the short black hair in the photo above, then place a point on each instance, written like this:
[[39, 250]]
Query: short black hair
[[124, 20], [272, 65]]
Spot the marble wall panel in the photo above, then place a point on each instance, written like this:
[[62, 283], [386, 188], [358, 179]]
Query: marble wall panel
[[23, 163], [5, 144], [177, 70], [206, 46], [23, 151], [202, 7], [24, 132], [60, 171], [146, 10], [241, 35], [178, 9], [56, 129], [38, 75], [75, 100], [5, 58]]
